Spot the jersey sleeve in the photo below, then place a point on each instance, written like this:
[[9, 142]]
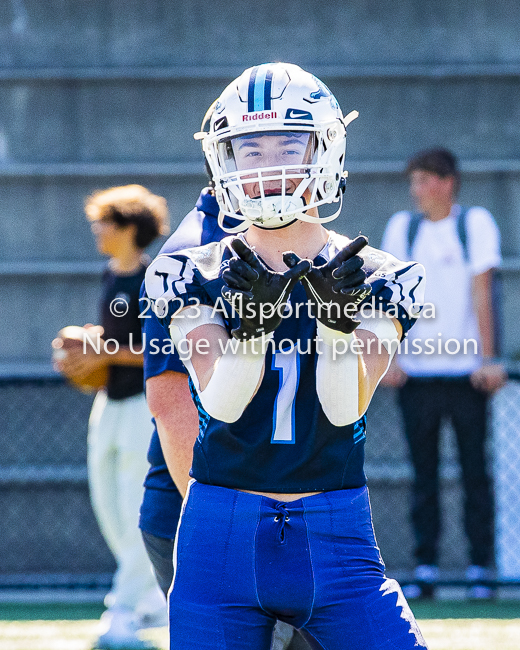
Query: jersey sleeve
[[173, 282], [483, 241], [159, 353], [397, 287]]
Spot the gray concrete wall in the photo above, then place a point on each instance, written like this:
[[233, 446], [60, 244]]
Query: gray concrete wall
[[194, 32], [95, 93]]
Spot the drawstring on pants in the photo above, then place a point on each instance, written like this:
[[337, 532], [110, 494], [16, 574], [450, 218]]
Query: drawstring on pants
[[282, 517]]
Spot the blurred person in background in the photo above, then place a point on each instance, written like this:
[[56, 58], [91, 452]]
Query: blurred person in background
[[124, 221], [459, 247]]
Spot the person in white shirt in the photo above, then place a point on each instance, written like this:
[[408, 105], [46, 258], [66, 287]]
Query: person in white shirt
[[448, 367]]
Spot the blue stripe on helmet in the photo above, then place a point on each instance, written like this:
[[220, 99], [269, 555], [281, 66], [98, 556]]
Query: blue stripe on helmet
[[251, 91], [259, 89], [267, 90]]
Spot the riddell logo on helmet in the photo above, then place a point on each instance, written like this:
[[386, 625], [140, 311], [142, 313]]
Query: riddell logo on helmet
[[259, 116]]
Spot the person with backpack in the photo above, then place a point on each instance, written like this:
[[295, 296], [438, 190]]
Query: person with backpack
[[448, 369]]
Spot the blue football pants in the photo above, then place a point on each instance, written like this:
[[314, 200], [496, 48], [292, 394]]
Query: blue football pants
[[243, 560]]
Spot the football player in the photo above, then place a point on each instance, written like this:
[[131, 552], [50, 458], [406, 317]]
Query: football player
[[283, 360]]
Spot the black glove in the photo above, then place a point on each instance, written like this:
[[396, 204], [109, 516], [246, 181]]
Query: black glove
[[335, 290], [257, 294]]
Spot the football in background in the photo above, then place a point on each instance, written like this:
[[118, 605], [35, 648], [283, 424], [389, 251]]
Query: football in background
[[71, 337]]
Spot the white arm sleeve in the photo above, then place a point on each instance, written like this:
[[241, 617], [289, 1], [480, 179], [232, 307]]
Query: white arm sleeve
[[236, 373], [337, 380], [383, 327]]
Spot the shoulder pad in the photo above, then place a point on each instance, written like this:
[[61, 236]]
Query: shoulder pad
[[378, 263], [169, 275], [208, 259]]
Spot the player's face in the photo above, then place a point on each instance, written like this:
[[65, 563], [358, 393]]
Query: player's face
[[271, 150], [429, 190]]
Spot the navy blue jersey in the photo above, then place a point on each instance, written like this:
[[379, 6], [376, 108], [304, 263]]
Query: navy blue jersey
[[161, 498], [283, 442]]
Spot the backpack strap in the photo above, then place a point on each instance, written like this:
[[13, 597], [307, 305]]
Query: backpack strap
[[461, 225], [462, 231], [413, 229]]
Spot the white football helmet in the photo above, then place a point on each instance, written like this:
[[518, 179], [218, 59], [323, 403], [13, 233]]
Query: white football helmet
[[276, 147]]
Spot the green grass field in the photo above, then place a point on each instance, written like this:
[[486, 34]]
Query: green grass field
[[446, 626]]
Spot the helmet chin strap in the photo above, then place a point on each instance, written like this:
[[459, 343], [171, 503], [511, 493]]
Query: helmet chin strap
[[251, 213], [246, 223], [232, 231], [310, 219], [283, 225], [266, 211]]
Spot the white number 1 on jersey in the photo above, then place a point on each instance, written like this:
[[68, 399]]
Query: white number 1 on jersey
[[288, 365]]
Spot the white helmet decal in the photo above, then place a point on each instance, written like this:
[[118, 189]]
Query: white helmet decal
[[272, 181]]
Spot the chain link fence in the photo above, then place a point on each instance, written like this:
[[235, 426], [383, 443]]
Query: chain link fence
[[49, 536], [48, 532], [506, 472], [389, 475]]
